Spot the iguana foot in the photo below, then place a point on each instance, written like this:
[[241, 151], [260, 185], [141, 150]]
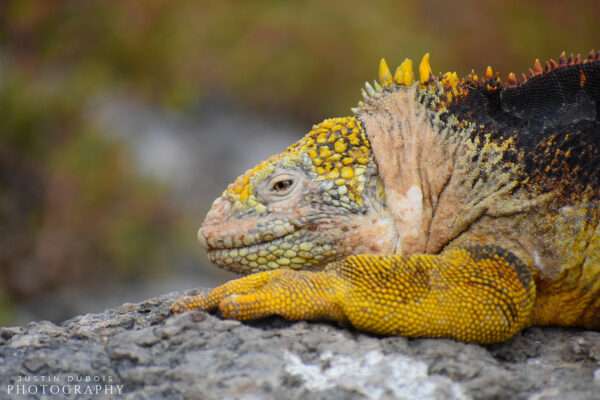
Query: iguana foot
[[290, 294]]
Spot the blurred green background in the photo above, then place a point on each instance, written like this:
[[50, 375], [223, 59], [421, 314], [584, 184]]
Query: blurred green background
[[120, 121]]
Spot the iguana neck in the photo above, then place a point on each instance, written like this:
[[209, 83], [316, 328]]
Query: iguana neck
[[414, 165]]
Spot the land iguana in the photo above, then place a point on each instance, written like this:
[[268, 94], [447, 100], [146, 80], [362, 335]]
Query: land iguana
[[453, 207]]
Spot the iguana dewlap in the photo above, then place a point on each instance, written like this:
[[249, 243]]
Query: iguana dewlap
[[445, 207]]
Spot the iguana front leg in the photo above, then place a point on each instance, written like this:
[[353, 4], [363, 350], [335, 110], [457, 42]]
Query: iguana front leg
[[479, 294]]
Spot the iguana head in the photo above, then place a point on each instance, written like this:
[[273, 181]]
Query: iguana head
[[302, 208]]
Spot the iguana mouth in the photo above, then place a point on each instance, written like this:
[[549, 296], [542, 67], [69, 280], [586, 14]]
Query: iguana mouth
[[261, 234], [296, 250]]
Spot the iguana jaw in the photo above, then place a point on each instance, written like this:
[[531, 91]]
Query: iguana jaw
[[299, 249]]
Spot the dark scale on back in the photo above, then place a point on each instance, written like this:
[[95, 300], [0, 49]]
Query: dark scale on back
[[554, 117]]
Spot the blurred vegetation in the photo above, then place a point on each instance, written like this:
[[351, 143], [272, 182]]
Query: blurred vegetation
[[300, 57], [71, 203], [72, 207]]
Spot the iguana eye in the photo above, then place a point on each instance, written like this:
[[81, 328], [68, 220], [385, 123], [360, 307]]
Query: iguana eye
[[282, 186]]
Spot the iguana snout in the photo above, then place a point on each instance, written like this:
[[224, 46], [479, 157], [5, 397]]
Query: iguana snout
[[224, 228]]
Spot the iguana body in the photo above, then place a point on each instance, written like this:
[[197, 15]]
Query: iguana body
[[446, 207]]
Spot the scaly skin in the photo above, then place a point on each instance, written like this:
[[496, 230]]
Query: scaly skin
[[445, 207]]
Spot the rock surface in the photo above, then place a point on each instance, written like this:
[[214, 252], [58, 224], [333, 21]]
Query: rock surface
[[143, 353]]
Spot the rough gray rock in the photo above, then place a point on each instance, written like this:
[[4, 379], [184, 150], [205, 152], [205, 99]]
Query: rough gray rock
[[146, 354]]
